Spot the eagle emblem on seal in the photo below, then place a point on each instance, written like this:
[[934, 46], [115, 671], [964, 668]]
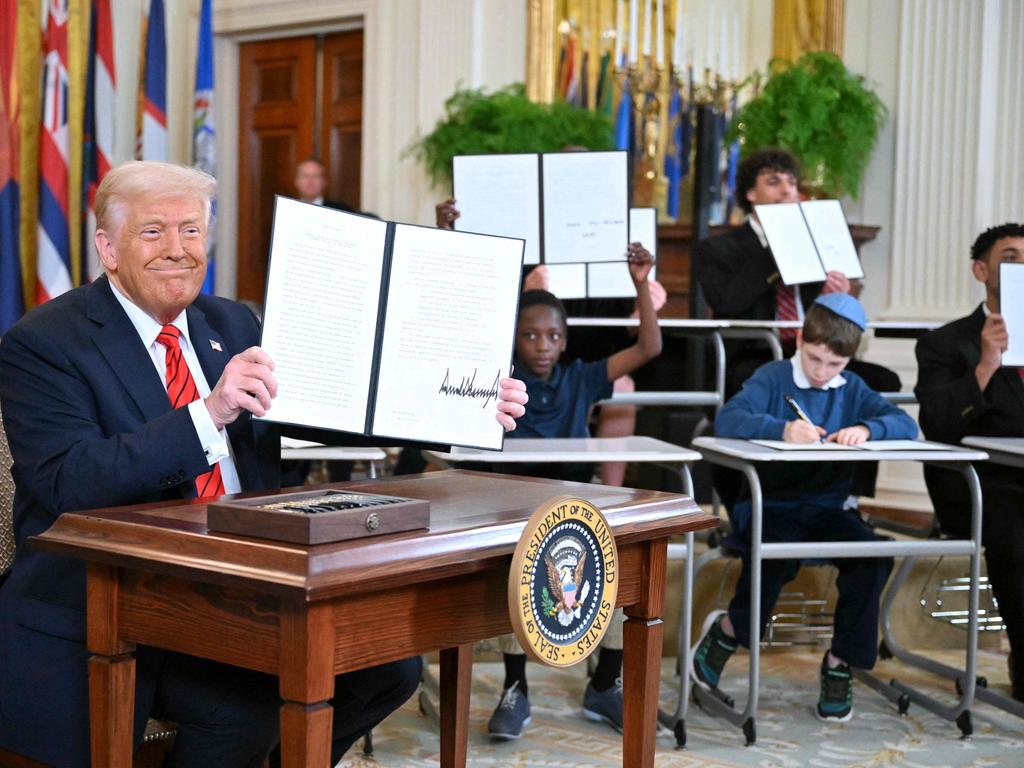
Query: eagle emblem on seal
[[565, 574]]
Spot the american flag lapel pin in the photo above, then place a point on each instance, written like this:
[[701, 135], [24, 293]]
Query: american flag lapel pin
[[215, 345]]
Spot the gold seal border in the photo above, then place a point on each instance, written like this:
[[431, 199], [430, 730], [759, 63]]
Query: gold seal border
[[535, 645]]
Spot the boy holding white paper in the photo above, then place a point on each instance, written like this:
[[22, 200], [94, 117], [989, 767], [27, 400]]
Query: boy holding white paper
[[804, 502], [561, 397]]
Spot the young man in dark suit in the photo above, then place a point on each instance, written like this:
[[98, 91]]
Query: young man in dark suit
[[134, 389], [964, 390]]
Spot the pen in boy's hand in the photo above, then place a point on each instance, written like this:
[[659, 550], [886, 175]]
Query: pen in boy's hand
[[799, 412]]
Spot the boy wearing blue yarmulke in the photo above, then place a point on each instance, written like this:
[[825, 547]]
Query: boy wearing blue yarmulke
[[803, 501]]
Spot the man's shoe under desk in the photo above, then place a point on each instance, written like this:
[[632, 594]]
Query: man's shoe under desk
[[745, 457]]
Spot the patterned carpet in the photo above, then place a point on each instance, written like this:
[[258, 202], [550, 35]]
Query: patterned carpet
[[788, 733]]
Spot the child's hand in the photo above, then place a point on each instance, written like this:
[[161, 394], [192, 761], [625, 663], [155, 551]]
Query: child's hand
[[640, 262], [445, 214], [854, 435], [799, 431], [537, 280], [836, 282]]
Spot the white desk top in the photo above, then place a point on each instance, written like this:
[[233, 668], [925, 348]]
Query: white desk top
[[304, 449], [1003, 450], [537, 450], [747, 451], [633, 322]]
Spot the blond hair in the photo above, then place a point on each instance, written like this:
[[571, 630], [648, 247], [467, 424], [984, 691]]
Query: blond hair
[[149, 179]]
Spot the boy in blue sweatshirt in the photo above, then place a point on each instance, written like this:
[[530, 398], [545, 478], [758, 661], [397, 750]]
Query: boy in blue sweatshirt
[[804, 501]]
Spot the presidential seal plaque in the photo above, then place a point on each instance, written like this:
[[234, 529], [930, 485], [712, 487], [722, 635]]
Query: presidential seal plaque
[[563, 581]]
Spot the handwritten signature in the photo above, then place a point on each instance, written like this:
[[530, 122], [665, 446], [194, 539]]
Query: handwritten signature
[[467, 388]]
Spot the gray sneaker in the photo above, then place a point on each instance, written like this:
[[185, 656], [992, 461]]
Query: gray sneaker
[[511, 714], [604, 706]]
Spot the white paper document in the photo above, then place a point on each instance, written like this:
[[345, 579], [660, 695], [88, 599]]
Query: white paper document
[[791, 243], [831, 234], [611, 280], [448, 336], [782, 445], [388, 329], [1011, 307], [586, 202], [499, 195], [569, 281], [869, 445], [320, 315]]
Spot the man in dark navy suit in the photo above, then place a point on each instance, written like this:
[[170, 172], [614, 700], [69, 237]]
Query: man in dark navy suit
[[964, 389], [86, 383]]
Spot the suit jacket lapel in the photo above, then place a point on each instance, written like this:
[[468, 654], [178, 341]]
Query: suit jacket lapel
[[209, 345], [119, 343]]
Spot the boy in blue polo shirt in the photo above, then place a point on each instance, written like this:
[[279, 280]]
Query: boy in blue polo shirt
[[560, 401], [804, 502]]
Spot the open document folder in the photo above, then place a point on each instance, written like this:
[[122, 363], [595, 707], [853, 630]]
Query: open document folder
[[389, 330]]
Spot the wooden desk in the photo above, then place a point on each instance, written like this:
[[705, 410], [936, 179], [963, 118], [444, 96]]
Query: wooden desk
[[157, 576]]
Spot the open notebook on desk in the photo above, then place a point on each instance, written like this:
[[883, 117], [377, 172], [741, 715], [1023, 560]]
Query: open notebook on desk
[[870, 445]]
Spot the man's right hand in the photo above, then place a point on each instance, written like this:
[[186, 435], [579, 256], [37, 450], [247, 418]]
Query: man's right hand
[[445, 214], [995, 340], [247, 384]]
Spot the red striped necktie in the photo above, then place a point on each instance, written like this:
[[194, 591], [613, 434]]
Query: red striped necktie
[[181, 390], [785, 309]]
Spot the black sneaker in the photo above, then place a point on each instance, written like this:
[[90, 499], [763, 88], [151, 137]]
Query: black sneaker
[[835, 703], [510, 716], [713, 651]]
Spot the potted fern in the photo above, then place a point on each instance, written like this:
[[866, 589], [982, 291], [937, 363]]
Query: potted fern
[[820, 111], [476, 122]]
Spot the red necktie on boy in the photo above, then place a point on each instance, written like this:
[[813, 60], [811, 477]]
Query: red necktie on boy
[[785, 309], [181, 390]]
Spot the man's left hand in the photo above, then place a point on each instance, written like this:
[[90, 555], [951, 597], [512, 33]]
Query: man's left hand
[[512, 400], [836, 282]]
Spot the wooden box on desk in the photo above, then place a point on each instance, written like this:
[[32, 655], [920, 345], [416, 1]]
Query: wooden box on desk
[[318, 516]]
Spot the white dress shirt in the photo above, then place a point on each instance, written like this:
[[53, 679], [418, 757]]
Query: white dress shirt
[[215, 442]]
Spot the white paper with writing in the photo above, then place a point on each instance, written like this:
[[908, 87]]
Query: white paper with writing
[[611, 279], [499, 195], [791, 243], [448, 335], [831, 234], [586, 202], [320, 316], [1011, 307]]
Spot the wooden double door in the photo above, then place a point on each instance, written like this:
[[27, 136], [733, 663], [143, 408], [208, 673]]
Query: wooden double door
[[299, 98]]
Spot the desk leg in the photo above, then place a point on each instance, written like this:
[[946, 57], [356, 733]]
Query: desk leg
[[642, 636], [307, 684], [456, 679], [111, 672]]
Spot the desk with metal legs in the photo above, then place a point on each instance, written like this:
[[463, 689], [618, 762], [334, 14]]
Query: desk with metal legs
[[745, 457], [1010, 452]]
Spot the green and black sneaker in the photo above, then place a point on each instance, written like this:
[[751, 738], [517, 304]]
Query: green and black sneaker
[[835, 703], [713, 651]]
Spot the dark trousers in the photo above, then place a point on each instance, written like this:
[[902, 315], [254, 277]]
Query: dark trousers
[[229, 717], [860, 581]]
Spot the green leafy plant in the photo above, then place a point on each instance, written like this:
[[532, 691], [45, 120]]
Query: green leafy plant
[[476, 122], [819, 110]]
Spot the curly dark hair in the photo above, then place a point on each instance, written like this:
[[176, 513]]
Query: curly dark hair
[[990, 236], [767, 159]]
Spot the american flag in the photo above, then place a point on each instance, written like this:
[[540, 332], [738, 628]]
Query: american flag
[[53, 268]]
